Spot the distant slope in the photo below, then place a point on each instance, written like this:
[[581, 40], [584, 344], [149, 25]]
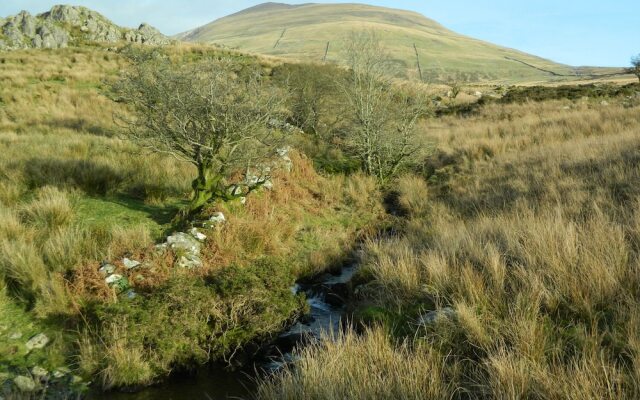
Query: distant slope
[[63, 26], [303, 31]]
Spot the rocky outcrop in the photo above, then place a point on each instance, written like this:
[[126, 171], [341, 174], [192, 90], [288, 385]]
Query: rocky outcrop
[[63, 26]]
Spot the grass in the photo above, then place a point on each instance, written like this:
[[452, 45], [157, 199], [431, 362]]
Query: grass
[[522, 232], [74, 193], [444, 55]]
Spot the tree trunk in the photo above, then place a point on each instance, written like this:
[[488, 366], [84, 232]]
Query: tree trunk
[[205, 188]]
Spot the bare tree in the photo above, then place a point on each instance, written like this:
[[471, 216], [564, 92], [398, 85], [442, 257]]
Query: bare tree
[[384, 117], [635, 66], [213, 114]]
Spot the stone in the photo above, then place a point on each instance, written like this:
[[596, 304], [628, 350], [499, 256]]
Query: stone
[[130, 264], [243, 200], [217, 218], [183, 242], [604, 103], [38, 341], [40, 373], [198, 235], [287, 164], [268, 184], [189, 261], [478, 94], [117, 282], [131, 294], [161, 248], [61, 373], [283, 151], [24, 383], [433, 316], [107, 269]]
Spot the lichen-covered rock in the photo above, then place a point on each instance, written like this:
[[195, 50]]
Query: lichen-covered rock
[[183, 242], [189, 261], [25, 384], [38, 341]]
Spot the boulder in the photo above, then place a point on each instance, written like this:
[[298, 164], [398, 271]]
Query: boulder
[[183, 242], [38, 341], [25, 384]]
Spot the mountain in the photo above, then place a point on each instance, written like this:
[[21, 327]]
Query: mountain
[[305, 32], [63, 26]]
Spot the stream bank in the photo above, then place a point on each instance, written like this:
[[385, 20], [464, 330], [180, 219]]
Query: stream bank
[[327, 297]]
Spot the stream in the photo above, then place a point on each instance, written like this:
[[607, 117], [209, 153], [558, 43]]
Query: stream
[[326, 296]]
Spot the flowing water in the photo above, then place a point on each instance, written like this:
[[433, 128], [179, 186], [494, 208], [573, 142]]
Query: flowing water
[[327, 296]]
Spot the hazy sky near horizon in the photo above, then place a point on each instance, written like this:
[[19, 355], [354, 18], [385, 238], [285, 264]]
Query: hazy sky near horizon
[[586, 32]]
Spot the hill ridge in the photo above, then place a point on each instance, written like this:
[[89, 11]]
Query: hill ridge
[[302, 32]]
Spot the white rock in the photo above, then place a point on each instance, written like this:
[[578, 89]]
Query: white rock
[[113, 279], [217, 218], [283, 151], [198, 235], [184, 242], [243, 200], [478, 94], [37, 342], [268, 184], [130, 264]]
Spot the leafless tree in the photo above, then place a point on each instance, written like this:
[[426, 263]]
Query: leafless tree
[[384, 117], [214, 114], [635, 66]]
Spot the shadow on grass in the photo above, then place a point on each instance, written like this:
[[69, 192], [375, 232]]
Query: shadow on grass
[[161, 214]]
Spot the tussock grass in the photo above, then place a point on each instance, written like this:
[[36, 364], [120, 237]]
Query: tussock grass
[[363, 367], [525, 227]]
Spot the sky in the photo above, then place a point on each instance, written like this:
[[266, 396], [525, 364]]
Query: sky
[[574, 32]]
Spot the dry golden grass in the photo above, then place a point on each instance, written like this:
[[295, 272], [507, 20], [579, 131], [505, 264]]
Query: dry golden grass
[[528, 230]]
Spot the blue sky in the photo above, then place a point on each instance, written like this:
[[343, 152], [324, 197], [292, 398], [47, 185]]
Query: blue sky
[[586, 32]]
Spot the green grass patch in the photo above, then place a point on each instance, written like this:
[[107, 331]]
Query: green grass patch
[[127, 212]]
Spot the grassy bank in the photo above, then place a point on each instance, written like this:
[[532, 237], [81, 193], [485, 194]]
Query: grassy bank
[[515, 273]]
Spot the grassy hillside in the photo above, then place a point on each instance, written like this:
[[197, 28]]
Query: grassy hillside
[[303, 31]]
